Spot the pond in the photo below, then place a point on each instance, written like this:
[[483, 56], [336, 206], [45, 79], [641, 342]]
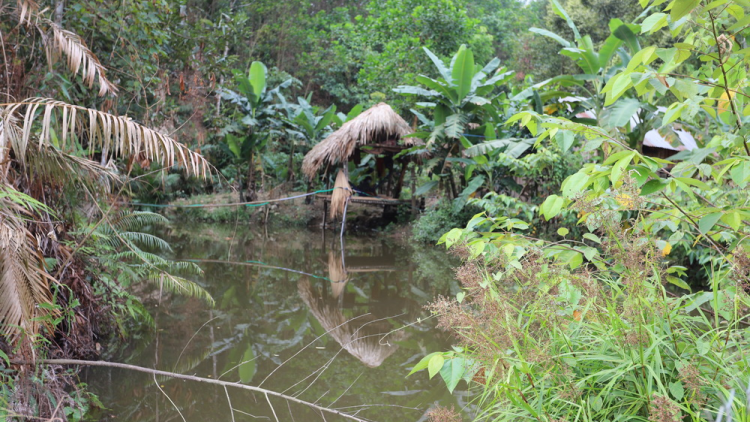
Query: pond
[[293, 315]]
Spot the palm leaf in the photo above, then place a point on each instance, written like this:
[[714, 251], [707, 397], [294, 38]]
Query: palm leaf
[[23, 281], [117, 134], [514, 147], [52, 166], [63, 42], [180, 286], [134, 220]]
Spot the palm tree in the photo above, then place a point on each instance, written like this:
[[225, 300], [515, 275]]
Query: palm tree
[[42, 144]]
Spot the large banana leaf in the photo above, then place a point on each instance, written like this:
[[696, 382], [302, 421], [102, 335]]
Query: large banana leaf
[[444, 71], [257, 78], [463, 72]]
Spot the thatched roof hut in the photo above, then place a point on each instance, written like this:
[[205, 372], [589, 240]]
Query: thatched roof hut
[[379, 127]]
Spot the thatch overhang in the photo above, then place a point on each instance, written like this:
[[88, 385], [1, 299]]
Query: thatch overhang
[[379, 128]]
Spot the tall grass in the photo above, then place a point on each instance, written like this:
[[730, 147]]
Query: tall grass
[[602, 342]]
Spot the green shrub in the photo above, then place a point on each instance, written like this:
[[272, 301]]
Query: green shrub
[[546, 338], [433, 223]]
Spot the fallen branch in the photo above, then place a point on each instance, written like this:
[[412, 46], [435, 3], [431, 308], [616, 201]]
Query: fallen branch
[[189, 378]]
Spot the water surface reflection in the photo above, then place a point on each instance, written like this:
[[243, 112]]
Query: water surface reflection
[[294, 315]]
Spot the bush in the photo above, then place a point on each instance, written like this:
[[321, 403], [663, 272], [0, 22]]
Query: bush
[[433, 223], [603, 341]]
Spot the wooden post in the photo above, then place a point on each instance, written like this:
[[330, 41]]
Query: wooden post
[[400, 183], [325, 213], [413, 193]]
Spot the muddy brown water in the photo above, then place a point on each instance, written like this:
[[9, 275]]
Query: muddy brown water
[[293, 315]]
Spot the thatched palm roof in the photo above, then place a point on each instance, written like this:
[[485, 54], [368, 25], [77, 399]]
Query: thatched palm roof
[[377, 124]]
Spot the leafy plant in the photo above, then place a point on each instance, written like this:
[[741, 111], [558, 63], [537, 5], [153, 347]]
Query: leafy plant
[[253, 118], [124, 248]]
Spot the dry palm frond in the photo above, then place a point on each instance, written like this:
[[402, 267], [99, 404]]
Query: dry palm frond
[[378, 123], [117, 134], [341, 193], [63, 42], [26, 9], [52, 166], [58, 42], [23, 280]]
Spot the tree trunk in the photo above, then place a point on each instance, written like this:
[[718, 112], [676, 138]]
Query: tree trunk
[[452, 184], [251, 178], [59, 9], [290, 169], [221, 82], [241, 181]]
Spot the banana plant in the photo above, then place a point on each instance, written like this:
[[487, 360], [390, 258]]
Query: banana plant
[[252, 121], [303, 126], [461, 101], [459, 96]]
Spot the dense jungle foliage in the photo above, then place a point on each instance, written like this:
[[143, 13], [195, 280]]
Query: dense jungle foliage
[[587, 159]]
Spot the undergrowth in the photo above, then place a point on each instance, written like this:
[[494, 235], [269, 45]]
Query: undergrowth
[[605, 341]]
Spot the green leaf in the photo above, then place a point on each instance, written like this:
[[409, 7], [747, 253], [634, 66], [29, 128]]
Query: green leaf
[[558, 9], [624, 33], [551, 206], [620, 113], [248, 366], [452, 372], [257, 78], [678, 392], [733, 219], [552, 35], [234, 145], [654, 23], [437, 87], [620, 166], [354, 112], [460, 296], [442, 68], [426, 187], [463, 72], [562, 231], [673, 113], [617, 86], [422, 364], [707, 222], [740, 173], [596, 403], [574, 184], [435, 364], [678, 282], [565, 139], [681, 8], [592, 237], [653, 186]]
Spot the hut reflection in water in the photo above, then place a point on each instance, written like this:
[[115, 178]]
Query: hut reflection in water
[[369, 338]]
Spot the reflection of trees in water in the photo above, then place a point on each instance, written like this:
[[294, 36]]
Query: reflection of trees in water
[[258, 307], [365, 338]]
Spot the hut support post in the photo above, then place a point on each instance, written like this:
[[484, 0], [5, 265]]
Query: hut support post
[[325, 213], [343, 222], [413, 193], [400, 183]]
